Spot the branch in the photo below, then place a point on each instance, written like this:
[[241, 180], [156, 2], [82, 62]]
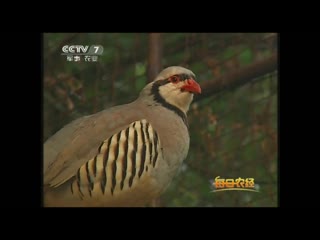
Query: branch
[[237, 77]]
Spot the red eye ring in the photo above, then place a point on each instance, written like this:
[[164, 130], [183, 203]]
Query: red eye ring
[[174, 79]]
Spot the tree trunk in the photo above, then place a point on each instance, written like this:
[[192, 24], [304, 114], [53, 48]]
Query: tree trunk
[[155, 55]]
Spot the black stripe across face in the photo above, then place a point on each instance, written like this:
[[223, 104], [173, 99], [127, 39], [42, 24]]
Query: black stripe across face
[[186, 76], [158, 98], [143, 153]]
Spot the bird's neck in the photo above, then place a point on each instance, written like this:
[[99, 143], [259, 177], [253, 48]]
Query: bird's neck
[[154, 98], [182, 102]]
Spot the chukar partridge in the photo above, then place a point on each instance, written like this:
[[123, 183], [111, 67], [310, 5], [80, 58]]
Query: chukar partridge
[[125, 155]]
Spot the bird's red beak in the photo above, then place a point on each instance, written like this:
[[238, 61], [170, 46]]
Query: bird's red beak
[[191, 86]]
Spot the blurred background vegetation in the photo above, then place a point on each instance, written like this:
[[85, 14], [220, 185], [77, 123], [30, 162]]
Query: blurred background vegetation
[[233, 129]]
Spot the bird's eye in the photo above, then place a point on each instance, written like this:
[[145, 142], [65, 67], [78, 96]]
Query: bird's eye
[[174, 79]]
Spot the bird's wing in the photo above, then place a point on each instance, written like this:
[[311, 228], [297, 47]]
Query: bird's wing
[[124, 159], [79, 141]]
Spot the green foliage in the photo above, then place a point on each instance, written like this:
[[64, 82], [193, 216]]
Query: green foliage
[[140, 69], [246, 56], [140, 83], [228, 53]]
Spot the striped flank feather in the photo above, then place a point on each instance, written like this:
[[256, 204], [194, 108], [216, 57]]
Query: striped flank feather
[[122, 160]]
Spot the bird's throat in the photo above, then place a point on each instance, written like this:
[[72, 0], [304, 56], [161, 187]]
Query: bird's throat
[[157, 97]]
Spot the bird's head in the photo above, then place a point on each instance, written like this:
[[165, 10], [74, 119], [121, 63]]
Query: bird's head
[[173, 86]]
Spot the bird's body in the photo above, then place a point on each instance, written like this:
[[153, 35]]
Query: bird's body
[[123, 156]]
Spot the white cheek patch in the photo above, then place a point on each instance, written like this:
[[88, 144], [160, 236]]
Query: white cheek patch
[[172, 94]]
